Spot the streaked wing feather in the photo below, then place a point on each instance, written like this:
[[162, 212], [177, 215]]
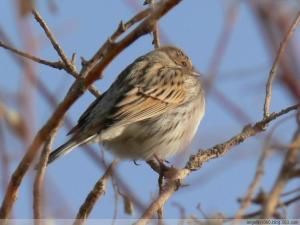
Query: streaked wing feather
[[143, 102], [83, 117]]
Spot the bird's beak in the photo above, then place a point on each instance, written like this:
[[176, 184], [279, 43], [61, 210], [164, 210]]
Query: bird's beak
[[195, 73]]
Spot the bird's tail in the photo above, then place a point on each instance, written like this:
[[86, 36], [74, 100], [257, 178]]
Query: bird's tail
[[62, 150], [66, 148]]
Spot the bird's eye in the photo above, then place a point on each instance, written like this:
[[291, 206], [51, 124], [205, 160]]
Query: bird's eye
[[184, 63]]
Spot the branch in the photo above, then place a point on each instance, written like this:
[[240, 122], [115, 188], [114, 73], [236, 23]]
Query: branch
[[57, 65], [285, 174], [247, 200], [5, 160], [77, 89], [39, 181], [122, 28], [276, 63], [196, 161], [116, 47], [70, 67], [94, 195], [257, 213], [155, 33], [156, 41]]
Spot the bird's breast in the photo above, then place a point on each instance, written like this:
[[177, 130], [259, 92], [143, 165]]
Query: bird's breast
[[163, 136]]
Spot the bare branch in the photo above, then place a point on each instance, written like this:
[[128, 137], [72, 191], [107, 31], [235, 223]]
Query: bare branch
[[246, 201], [285, 174], [275, 65], [4, 157], [57, 65], [39, 181], [196, 161], [169, 188], [258, 212], [70, 67], [122, 28], [94, 195], [156, 41]]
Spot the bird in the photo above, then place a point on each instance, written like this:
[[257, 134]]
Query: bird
[[152, 109]]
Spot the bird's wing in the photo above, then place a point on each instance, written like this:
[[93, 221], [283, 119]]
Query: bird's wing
[[148, 97], [84, 117], [151, 97]]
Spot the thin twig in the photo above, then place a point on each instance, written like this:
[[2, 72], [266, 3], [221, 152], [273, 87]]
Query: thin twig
[[169, 188], [71, 68], [259, 212], [159, 168], [275, 65], [290, 192], [41, 87], [196, 161], [285, 174], [39, 182], [94, 195], [5, 161], [116, 201], [267, 27], [156, 41], [57, 65], [246, 201], [122, 28]]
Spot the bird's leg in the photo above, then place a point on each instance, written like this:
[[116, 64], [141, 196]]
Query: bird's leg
[[162, 169]]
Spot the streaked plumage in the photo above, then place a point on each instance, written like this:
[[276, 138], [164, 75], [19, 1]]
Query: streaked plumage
[[153, 108]]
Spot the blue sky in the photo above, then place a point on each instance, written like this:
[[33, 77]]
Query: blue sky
[[195, 26]]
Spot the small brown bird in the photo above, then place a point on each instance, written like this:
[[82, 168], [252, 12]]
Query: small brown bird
[[152, 109]]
